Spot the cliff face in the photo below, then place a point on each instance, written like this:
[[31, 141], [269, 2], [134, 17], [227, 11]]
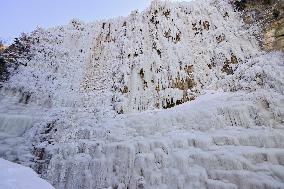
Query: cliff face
[[156, 59], [155, 54], [90, 100], [269, 15]]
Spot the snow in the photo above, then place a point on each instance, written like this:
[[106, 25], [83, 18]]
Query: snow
[[97, 106], [15, 176]]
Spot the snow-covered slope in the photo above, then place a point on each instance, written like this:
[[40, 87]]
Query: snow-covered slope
[[14, 176], [178, 96]]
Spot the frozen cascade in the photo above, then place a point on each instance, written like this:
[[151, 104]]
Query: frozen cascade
[[15, 122], [177, 96], [217, 141]]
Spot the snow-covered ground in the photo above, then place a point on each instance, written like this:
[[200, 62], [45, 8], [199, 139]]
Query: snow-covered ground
[[178, 96], [15, 176]]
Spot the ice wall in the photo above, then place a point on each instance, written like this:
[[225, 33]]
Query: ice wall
[[159, 58], [223, 140]]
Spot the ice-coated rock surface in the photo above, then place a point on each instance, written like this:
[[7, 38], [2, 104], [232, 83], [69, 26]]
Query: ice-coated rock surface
[[177, 96], [223, 140]]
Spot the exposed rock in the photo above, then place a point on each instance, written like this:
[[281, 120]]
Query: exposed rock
[[269, 15], [14, 55], [220, 38], [227, 68], [2, 47]]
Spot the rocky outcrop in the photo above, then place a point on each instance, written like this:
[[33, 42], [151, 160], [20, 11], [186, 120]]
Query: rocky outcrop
[[14, 55], [2, 47], [2, 63], [269, 15]]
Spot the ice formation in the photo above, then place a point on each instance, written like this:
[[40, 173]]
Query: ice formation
[[177, 96]]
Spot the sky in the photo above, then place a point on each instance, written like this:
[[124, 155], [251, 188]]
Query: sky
[[19, 16]]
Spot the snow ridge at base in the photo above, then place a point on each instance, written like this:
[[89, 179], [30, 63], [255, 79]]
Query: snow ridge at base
[[15, 176]]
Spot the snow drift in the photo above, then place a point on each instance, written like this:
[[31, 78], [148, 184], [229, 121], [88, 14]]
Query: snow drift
[[14, 176]]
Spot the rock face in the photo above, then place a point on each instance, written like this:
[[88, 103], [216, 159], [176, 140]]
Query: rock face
[[14, 55], [180, 95], [269, 14], [2, 47]]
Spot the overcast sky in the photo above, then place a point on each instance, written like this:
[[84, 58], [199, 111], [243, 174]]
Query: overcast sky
[[19, 16]]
